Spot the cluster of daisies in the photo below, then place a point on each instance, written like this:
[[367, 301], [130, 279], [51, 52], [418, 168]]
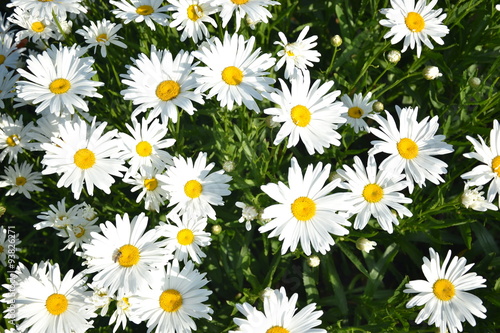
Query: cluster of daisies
[[150, 274]]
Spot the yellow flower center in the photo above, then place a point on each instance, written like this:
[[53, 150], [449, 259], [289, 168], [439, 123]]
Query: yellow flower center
[[129, 255], [170, 300], [168, 90], [415, 22], [193, 189], [84, 158], [495, 165], [124, 303], [56, 304], [144, 10], [2, 59], [79, 231], [194, 12], [59, 86], [407, 148], [232, 75], [239, 2], [20, 181], [185, 237], [301, 116], [37, 26], [150, 184], [290, 53], [373, 193], [355, 112], [277, 329], [102, 38], [303, 208], [443, 289], [144, 148], [12, 140]]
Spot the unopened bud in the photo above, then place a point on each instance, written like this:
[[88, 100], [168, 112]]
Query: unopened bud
[[228, 166], [431, 72], [394, 56], [313, 261], [336, 40], [216, 229], [474, 82], [365, 245], [378, 106]]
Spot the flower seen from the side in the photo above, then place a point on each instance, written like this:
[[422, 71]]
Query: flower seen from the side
[[431, 73], [102, 33], [473, 198], [254, 10], [190, 16], [365, 245], [248, 214], [148, 11], [21, 179], [122, 313], [358, 108]]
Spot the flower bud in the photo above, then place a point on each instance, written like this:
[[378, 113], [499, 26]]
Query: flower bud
[[336, 40], [431, 72], [216, 229], [474, 82], [378, 106], [228, 166], [365, 245], [393, 56], [313, 261]]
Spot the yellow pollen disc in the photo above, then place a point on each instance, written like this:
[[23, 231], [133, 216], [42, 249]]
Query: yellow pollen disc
[[150, 184], [102, 38], [407, 148], [495, 165], [59, 86], [37, 26], [443, 289], [239, 2], [56, 304], [194, 12], [20, 181], [277, 329], [129, 255], [290, 53], [170, 300], [84, 158], [193, 189], [185, 237], [79, 231], [415, 22], [12, 140], [303, 208], [373, 193], [144, 148], [144, 10], [2, 58], [168, 90], [125, 303], [355, 112], [301, 116], [232, 75]]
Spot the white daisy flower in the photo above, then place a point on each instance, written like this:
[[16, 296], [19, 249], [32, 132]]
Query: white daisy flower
[[473, 198], [150, 187], [58, 79], [279, 316], [102, 33], [83, 155], [7, 81], [185, 237], [415, 23], [489, 156], [125, 257], [193, 189], [9, 52], [297, 56], [46, 303], [445, 293], [358, 108], [14, 137], [58, 217], [190, 16], [255, 10], [162, 83], [145, 147], [34, 26], [22, 179], [373, 193], [148, 11], [8, 242], [412, 147], [78, 233], [100, 299], [171, 303], [305, 212], [234, 73], [248, 214], [121, 314], [308, 113], [45, 8]]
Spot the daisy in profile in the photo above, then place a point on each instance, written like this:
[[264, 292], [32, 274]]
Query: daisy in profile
[[308, 113], [102, 33], [415, 22], [185, 237], [35, 27], [7, 81], [191, 17], [305, 211], [9, 51], [174, 300], [279, 316], [444, 292], [162, 83], [14, 137], [58, 217], [297, 56], [124, 256], [489, 169], [150, 187], [412, 147], [145, 146], [473, 198], [255, 10], [122, 314], [358, 108], [373, 193], [248, 214], [148, 11], [47, 302], [193, 189], [45, 8], [233, 72], [83, 154], [21, 179], [57, 80]]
